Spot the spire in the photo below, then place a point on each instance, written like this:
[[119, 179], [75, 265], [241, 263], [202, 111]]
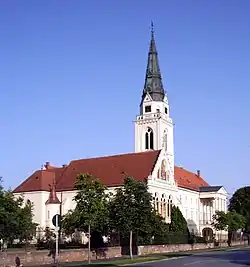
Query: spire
[[53, 199], [153, 82]]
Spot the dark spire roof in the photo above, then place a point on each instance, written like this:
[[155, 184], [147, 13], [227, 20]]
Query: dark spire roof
[[53, 199], [153, 81]]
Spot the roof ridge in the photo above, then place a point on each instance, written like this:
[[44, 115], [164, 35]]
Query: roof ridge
[[117, 155]]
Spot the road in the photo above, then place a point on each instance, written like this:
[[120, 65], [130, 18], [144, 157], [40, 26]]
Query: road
[[229, 258]]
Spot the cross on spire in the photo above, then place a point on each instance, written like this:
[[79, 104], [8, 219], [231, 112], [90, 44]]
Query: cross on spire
[[152, 27]]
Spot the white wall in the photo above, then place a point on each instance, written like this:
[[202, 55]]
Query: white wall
[[159, 122], [189, 205], [189, 202], [38, 198], [51, 210]]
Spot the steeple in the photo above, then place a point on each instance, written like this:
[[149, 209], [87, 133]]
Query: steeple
[[53, 199], [153, 81], [154, 127]]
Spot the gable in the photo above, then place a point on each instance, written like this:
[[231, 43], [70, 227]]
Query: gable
[[222, 191], [162, 170], [147, 98]]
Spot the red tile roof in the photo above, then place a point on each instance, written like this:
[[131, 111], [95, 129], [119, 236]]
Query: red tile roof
[[110, 170], [188, 180], [40, 180]]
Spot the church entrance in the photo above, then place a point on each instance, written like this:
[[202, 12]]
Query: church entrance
[[207, 233]]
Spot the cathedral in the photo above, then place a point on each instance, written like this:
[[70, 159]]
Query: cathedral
[[51, 189]]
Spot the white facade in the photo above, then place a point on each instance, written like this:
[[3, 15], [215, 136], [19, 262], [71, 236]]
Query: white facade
[[196, 207]]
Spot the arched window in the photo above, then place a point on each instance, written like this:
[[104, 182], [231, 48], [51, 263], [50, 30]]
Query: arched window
[[169, 206], [149, 139]]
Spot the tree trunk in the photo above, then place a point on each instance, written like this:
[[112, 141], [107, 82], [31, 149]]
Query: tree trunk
[[89, 256], [131, 245]]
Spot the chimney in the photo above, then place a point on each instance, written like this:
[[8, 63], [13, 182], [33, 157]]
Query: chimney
[[47, 165], [64, 165], [199, 173]]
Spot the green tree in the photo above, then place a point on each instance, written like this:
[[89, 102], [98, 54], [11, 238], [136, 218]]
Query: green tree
[[178, 222], [240, 203], [70, 222], [230, 221], [26, 229], [91, 210], [131, 210], [16, 218], [220, 221], [235, 221]]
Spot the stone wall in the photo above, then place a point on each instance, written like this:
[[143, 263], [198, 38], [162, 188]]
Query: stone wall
[[41, 257], [145, 250]]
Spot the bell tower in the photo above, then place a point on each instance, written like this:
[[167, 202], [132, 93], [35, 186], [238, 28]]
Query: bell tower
[[154, 127]]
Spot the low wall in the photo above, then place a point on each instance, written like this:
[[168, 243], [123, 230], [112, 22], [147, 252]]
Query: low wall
[[41, 257], [145, 250]]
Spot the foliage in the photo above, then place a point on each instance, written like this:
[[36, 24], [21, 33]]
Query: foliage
[[15, 218], [230, 221], [235, 221], [220, 221], [240, 203], [131, 209], [70, 222], [48, 234], [91, 206], [26, 228], [178, 222]]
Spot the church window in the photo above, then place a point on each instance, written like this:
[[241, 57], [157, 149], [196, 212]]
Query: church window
[[148, 109], [149, 139], [166, 110], [48, 215]]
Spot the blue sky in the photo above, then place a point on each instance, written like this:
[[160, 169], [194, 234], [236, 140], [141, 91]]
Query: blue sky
[[72, 73]]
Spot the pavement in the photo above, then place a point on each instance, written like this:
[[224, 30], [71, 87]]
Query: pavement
[[228, 258]]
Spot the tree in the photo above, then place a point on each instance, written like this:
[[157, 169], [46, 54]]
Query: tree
[[178, 222], [220, 221], [131, 210], [240, 203], [91, 210], [16, 218], [70, 222], [230, 221], [26, 227], [235, 221]]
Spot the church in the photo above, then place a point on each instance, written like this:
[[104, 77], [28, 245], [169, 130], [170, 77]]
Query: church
[[51, 188]]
